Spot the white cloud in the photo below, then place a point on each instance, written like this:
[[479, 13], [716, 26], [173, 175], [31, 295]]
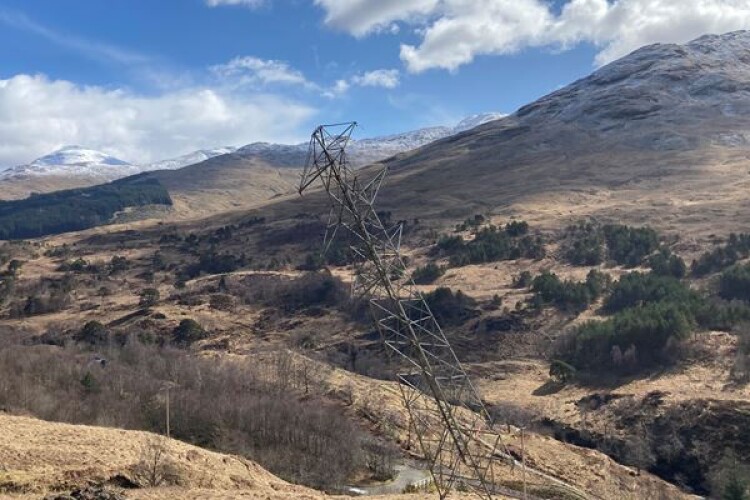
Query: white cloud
[[245, 3], [454, 32], [386, 78], [38, 115], [338, 89], [361, 17], [255, 71]]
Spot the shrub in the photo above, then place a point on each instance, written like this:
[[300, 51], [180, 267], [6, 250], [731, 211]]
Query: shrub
[[427, 274], [215, 263], [471, 223], [92, 333], [77, 266], [449, 308], [149, 297], [561, 372], [313, 262], [119, 264], [523, 280], [189, 331]]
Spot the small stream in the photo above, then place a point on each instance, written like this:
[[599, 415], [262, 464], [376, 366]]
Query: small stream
[[407, 474]]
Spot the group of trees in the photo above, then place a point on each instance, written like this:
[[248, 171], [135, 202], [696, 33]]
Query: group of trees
[[258, 410], [44, 296], [116, 265], [734, 283], [76, 209], [589, 244], [491, 244], [429, 273], [651, 315], [721, 257], [568, 295], [665, 263]]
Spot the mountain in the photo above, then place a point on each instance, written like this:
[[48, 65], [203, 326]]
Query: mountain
[[76, 166], [363, 152], [75, 161], [660, 136], [188, 159]]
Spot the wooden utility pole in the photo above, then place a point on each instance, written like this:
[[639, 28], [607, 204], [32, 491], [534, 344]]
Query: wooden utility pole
[[167, 412], [523, 460], [166, 388]]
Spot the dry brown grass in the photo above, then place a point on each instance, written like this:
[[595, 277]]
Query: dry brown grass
[[39, 456]]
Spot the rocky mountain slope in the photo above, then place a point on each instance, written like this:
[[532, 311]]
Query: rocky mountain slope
[[663, 130]]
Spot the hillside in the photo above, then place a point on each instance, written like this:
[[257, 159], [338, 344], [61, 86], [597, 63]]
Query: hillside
[[663, 130], [40, 457], [76, 209]]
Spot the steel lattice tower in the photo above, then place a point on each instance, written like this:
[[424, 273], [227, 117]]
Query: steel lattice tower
[[447, 416]]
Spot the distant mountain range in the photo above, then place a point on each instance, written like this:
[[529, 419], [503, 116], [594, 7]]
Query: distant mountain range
[[83, 166]]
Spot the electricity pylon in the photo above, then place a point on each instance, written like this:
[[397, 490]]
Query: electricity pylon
[[447, 416]]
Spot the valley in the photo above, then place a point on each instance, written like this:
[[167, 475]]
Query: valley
[[587, 256]]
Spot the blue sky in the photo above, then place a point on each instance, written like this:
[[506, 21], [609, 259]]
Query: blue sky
[[148, 79]]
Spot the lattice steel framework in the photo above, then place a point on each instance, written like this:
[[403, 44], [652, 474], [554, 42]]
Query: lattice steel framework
[[447, 417]]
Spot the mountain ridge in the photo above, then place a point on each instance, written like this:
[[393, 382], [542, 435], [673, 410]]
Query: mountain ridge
[[73, 160]]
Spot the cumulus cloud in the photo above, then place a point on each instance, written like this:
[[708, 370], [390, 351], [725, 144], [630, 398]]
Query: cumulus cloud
[[361, 17], [38, 115], [386, 78], [454, 32], [245, 3], [255, 71]]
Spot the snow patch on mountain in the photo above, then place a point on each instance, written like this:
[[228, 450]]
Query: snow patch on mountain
[[189, 159], [75, 161]]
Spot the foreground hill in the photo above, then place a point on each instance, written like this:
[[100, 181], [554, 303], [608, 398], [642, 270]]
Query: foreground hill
[[39, 457]]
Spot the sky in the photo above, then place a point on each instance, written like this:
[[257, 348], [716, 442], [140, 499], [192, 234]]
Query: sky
[[146, 80]]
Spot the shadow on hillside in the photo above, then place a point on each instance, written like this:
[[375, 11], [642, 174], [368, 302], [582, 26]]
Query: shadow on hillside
[[548, 388]]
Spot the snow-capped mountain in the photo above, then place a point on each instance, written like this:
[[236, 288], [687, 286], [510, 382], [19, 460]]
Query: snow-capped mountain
[[75, 161], [78, 161], [365, 151], [188, 159], [706, 81], [81, 166]]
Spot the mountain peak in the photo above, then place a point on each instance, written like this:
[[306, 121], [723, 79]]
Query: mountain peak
[[74, 160], [77, 155], [655, 86]]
